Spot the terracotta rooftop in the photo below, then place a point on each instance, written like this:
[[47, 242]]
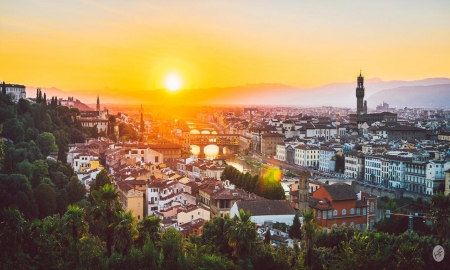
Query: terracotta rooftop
[[340, 192], [267, 207]]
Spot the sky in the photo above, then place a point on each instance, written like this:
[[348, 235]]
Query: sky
[[123, 45]]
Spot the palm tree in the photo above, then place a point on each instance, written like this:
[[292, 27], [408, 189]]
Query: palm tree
[[107, 203], [440, 210], [125, 231], [150, 226], [74, 222], [242, 235], [13, 230], [309, 228]]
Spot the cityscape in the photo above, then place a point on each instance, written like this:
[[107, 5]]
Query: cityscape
[[225, 134]]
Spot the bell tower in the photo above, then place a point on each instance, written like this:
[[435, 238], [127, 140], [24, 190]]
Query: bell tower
[[98, 103], [303, 191], [360, 95]]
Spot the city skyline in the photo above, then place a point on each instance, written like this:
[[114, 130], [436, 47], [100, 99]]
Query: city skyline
[[91, 45]]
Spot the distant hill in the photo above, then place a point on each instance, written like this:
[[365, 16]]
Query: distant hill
[[338, 94], [414, 96]]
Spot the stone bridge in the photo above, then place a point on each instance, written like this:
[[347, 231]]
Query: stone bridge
[[231, 141]]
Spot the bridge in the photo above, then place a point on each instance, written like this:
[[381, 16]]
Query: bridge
[[231, 141]]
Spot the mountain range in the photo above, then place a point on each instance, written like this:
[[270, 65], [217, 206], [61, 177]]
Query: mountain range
[[430, 92]]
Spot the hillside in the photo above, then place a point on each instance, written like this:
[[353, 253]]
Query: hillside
[[413, 96]]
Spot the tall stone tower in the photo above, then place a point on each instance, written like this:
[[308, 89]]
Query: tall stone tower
[[142, 126], [98, 103], [303, 191], [360, 95]]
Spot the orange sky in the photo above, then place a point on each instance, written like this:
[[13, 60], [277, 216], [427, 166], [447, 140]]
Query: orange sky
[[89, 45]]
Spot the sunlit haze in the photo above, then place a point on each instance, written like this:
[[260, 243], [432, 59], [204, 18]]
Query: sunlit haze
[[123, 46]]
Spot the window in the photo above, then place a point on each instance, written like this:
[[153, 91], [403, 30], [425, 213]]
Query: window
[[352, 224], [343, 224], [330, 215], [319, 213], [364, 211], [335, 225], [324, 214], [372, 207], [357, 226], [344, 212], [335, 212], [364, 227], [352, 211]]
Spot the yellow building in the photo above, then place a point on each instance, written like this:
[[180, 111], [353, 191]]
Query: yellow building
[[132, 195]]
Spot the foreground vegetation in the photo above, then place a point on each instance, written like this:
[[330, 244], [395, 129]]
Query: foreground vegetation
[[47, 223]]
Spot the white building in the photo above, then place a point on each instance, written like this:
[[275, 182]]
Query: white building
[[263, 211], [435, 175], [326, 159], [281, 152], [16, 91], [306, 155], [354, 165], [373, 169]]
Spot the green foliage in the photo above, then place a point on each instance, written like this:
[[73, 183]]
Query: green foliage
[[100, 180], [45, 198], [295, 231], [75, 190], [242, 235], [46, 143], [268, 186], [15, 190], [172, 249], [267, 237], [440, 210]]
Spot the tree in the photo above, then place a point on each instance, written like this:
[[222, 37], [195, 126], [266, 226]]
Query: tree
[[45, 198], [242, 235], [309, 228], [39, 171], [125, 232], [295, 231], [16, 190], [107, 204], [214, 234], [13, 129], [440, 210], [101, 179], [46, 143], [74, 223], [149, 228], [75, 190], [267, 237], [13, 234], [172, 249]]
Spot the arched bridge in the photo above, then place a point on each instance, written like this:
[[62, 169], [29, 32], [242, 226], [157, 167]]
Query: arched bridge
[[231, 141]]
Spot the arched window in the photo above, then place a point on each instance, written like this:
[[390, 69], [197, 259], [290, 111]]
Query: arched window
[[344, 212], [352, 211], [357, 226], [352, 224], [335, 212], [343, 224], [372, 207]]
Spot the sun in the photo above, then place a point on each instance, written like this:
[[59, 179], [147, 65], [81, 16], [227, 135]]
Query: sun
[[172, 82]]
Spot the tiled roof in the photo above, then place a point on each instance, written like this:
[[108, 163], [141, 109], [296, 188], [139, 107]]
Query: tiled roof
[[266, 207], [340, 192]]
